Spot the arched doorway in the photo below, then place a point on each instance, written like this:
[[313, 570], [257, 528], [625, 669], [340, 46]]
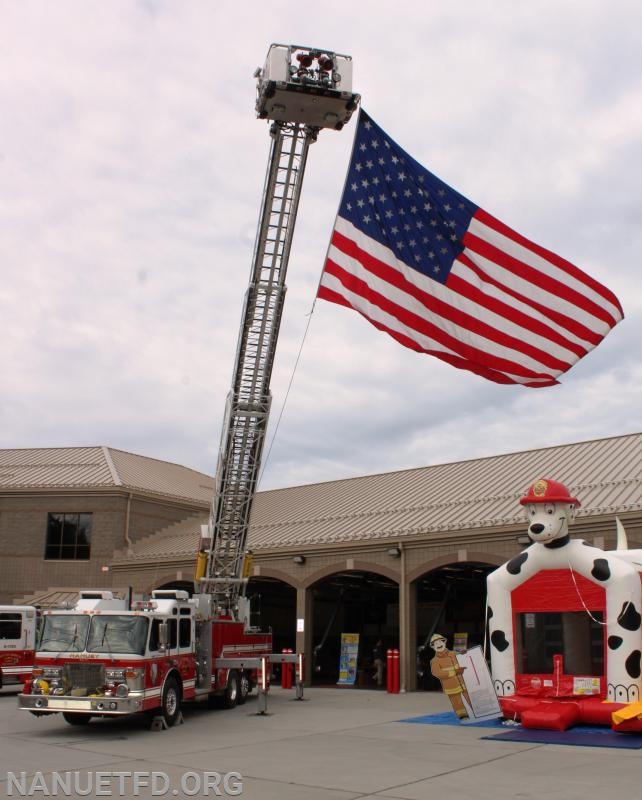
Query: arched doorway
[[187, 586], [273, 608], [352, 601], [450, 600]]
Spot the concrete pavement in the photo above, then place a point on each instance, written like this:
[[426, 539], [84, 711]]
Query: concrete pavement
[[337, 744]]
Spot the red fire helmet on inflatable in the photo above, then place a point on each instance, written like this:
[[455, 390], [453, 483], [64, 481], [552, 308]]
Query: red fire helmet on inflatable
[[548, 491]]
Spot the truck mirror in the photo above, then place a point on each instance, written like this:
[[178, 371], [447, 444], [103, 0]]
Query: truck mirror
[[163, 636]]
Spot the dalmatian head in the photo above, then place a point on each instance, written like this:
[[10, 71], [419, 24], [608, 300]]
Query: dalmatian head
[[550, 510]]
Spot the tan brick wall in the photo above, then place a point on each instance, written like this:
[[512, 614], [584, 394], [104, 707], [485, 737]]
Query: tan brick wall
[[23, 527]]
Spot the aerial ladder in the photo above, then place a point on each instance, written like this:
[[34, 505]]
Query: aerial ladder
[[300, 91]]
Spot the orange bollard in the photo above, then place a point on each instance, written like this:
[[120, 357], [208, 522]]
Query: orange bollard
[[389, 670], [395, 671]]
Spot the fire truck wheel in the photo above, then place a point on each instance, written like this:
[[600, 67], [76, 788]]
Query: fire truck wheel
[[244, 688], [231, 696], [75, 719], [171, 706]]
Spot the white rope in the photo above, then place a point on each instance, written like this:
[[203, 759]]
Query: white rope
[[285, 399], [586, 608]]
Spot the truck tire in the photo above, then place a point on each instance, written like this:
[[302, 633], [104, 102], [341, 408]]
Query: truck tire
[[171, 703], [244, 688], [231, 695], [76, 719]]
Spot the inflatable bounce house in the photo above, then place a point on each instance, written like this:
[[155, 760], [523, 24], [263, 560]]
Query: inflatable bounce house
[[564, 624]]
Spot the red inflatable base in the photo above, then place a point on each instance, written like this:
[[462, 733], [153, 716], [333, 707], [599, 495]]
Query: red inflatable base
[[559, 714]]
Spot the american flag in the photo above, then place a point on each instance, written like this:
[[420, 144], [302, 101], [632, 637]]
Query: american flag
[[436, 272]]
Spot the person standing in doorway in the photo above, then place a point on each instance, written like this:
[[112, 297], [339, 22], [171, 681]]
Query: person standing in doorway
[[377, 660]]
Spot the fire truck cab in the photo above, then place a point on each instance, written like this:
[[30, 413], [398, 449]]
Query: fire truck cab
[[18, 629]]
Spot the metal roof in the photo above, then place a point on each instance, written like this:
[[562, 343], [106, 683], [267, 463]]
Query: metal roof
[[605, 475], [87, 468]]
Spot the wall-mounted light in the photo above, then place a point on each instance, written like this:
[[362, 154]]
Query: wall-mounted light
[[298, 559], [394, 552]]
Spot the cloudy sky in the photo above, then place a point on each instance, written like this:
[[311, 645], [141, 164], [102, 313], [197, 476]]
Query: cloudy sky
[[131, 174]]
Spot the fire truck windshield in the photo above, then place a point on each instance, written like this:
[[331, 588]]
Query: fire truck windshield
[[63, 633], [116, 633]]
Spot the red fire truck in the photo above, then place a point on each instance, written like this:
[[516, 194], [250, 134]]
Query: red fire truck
[[18, 629], [102, 658]]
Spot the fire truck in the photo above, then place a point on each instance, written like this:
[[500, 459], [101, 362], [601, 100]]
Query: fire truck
[[102, 658], [18, 629]]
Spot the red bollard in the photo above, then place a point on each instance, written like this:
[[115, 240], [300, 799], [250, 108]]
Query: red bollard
[[395, 671], [284, 671], [290, 669], [389, 670]]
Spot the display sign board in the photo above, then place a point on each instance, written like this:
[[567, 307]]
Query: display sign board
[[482, 702], [348, 659]]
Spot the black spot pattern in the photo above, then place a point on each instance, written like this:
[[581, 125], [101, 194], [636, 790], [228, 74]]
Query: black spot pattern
[[499, 641], [514, 566], [629, 618], [632, 664], [614, 642], [601, 570]]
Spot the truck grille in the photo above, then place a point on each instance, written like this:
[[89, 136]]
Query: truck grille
[[85, 676]]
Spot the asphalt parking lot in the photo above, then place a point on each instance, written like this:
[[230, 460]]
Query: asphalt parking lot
[[336, 744]]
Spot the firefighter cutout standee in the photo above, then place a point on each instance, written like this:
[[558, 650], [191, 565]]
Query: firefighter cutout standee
[[447, 669]]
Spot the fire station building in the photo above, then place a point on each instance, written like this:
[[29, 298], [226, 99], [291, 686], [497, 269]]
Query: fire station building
[[395, 556]]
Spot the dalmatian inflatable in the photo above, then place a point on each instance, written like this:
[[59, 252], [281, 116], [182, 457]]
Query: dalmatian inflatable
[[556, 574]]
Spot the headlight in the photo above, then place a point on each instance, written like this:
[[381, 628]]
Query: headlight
[[115, 674], [134, 678], [52, 672]]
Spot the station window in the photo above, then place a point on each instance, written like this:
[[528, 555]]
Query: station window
[[68, 536]]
